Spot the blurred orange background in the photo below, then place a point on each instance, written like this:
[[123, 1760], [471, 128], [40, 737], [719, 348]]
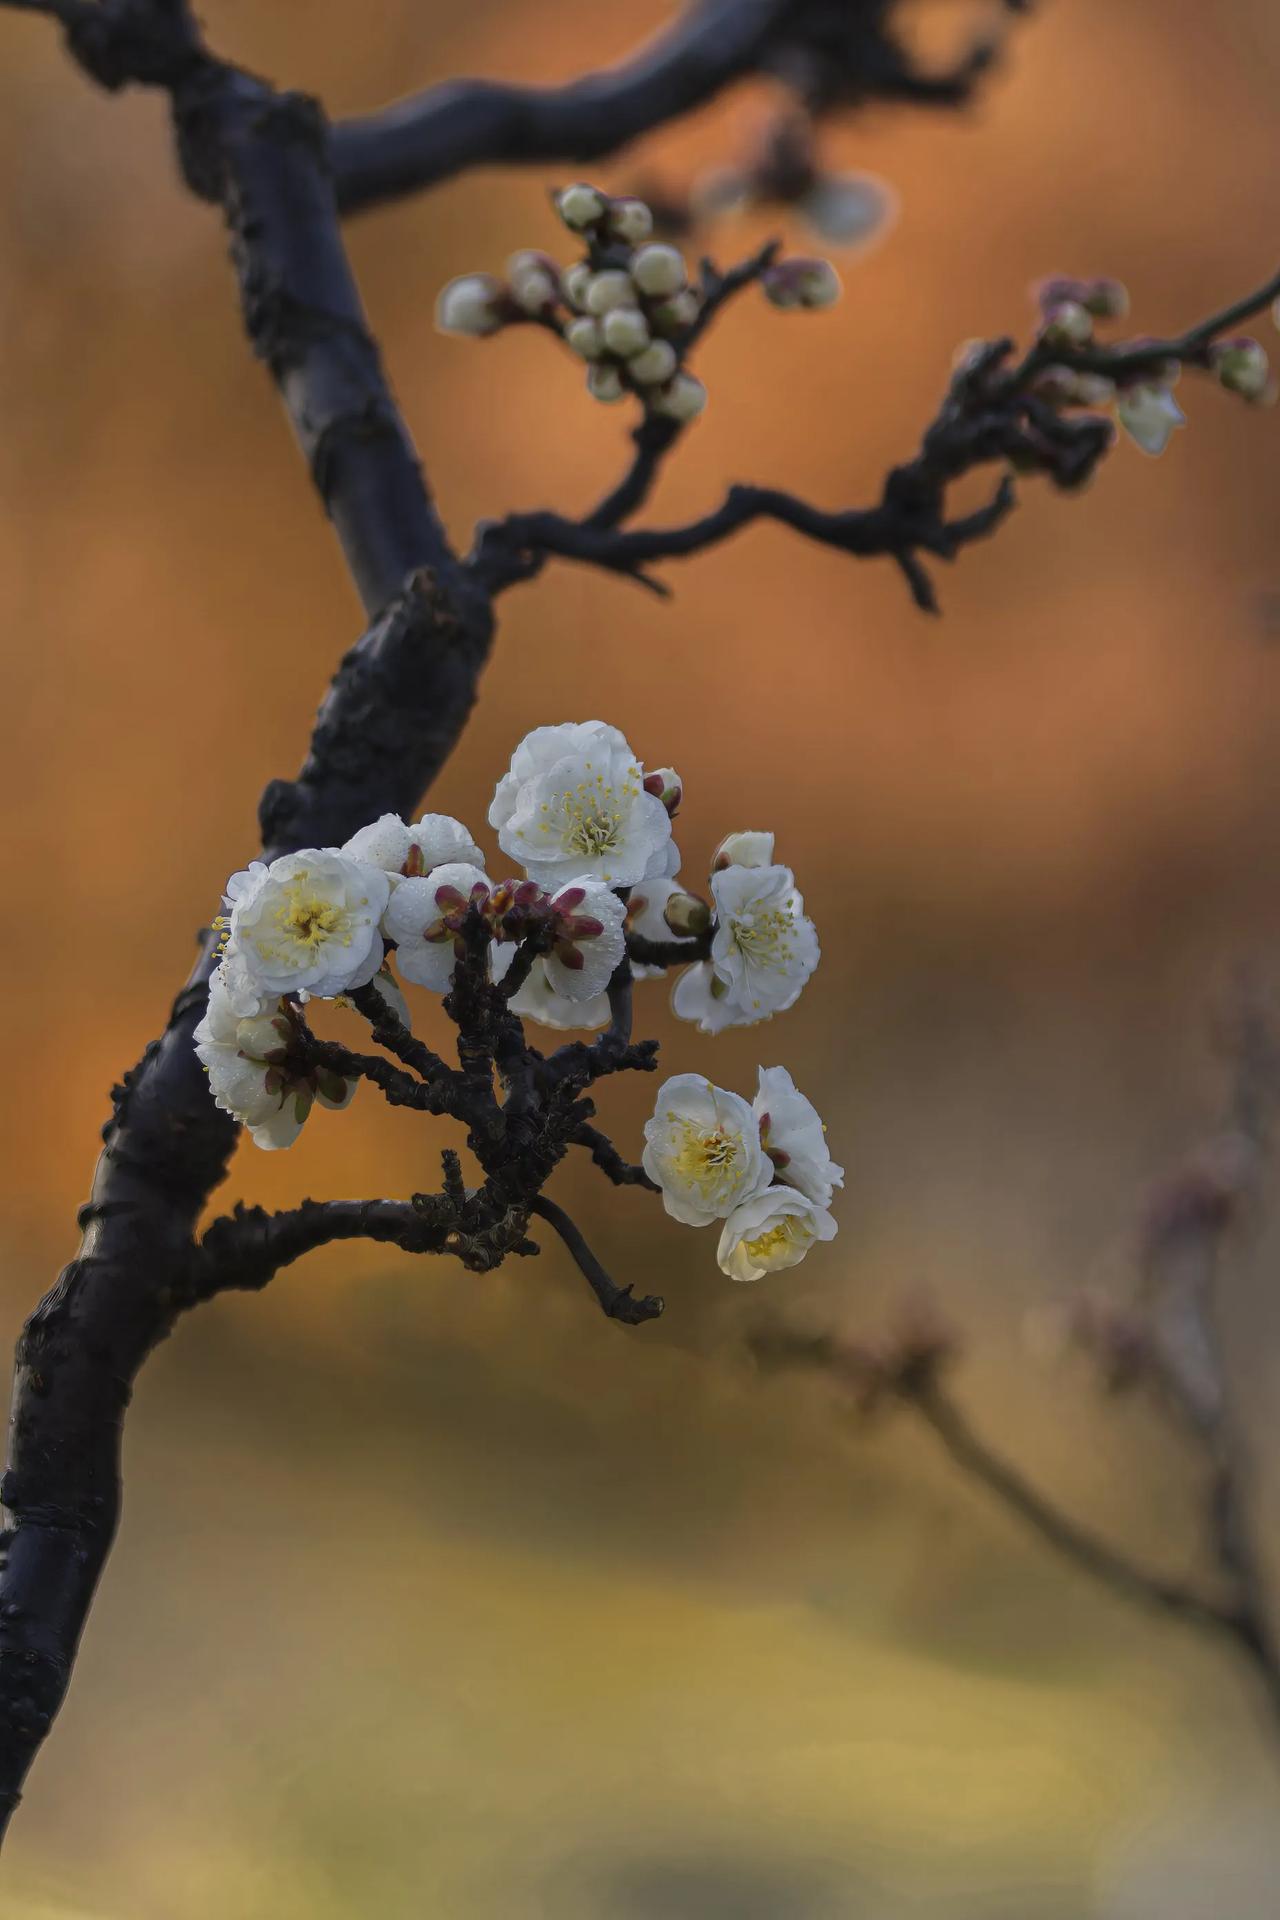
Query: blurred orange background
[[439, 1595]]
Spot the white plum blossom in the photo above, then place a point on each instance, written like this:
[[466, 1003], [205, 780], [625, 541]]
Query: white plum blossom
[[538, 1000], [1149, 415], [590, 920], [471, 304], [702, 1146], [772, 1230], [244, 1060], [573, 806], [430, 842], [308, 923], [794, 1137], [762, 953], [422, 916]]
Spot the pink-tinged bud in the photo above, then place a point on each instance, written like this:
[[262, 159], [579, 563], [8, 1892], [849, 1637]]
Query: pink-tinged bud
[[659, 270], [1069, 324], [449, 898], [415, 865], [1056, 288], [472, 305], [631, 220], [686, 915], [585, 926], [1241, 367], [580, 206], [568, 898], [569, 956], [666, 785], [801, 283]]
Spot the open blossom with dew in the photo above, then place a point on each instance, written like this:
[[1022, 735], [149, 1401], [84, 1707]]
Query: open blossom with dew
[[589, 940], [308, 923], [246, 1060], [764, 949], [538, 1000], [794, 1137], [774, 1229], [702, 1146], [411, 851], [424, 917], [1149, 415], [573, 806]]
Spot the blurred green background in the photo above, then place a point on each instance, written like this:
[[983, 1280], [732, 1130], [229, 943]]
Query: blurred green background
[[439, 1595]]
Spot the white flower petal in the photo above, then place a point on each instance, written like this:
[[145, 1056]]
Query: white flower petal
[[702, 1146], [790, 1125], [773, 1230]]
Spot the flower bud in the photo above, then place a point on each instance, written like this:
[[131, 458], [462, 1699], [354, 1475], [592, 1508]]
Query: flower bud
[[471, 304], [655, 366], [631, 220], [659, 269], [625, 331], [580, 206], [534, 289], [743, 850], [801, 283], [666, 785], [574, 281], [686, 915], [1069, 324], [605, 383], [1106, 299], [608, 290], [677, 313], [683, 400], [1241, 366], [584, 336]]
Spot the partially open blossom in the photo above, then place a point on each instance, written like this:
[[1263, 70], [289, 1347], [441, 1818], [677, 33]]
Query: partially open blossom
[[472, 304], [248, 1076], [580, 206], [573, 805], [773, 1230], [413, 850], [667, 784], [1241, 366], [743, 850], [590, 939], [306, 923], [538, 1000], [794, 1137], [801, 283], [1149, 415], [424, 916], [659, 270], [702, 1146]]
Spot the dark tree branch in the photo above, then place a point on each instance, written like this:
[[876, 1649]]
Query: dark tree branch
[[610, 1161], [619, 1303]]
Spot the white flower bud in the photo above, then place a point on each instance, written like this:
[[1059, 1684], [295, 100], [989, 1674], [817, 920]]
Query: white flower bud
[[631, 220], [659, 269], [1068, 325], [677, 313], [625, 331], [605, 383], [574, 281], [584, 336], [471, 304], [655, 366], [534, 290], [747, 849], [686, 915], [1241, 367], [580, 206], [684, 399], [608, 290]]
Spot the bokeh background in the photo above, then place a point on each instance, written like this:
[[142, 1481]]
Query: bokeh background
[[438, 1595]]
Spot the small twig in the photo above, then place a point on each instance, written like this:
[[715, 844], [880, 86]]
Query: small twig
[[391, 1033], [610, 1162], [669, 953], [619, 1303]]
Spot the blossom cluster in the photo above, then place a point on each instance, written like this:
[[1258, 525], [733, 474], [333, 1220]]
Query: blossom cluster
[[762, 1169], [627, 307], [591, 831], [1143, 395]]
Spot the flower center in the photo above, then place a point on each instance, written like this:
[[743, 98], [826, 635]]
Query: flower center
[[307, 922], [788, 1232], [707, 1160], [763, 936]]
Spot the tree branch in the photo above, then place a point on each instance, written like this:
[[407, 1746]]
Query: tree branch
[[619, 1303]]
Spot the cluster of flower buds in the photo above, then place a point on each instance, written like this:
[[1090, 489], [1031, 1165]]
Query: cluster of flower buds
[[591, 830], [626, 307]]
